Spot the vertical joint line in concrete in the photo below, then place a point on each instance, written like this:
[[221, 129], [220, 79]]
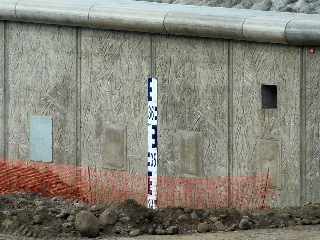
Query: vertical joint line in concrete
[[5, 92], [153, 56], [230, 119], [302, 124], [78, 100]]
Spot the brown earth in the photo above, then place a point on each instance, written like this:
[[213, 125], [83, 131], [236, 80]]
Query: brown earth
[[31, 215]]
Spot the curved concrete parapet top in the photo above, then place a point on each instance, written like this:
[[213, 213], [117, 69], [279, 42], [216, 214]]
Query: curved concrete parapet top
[[151, 17]]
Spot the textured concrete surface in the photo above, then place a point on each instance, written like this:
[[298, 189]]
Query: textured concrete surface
[[2, 72], [255, 128], [312, 111], [114, 71], [41, 80], [93, 83], [193, 100]]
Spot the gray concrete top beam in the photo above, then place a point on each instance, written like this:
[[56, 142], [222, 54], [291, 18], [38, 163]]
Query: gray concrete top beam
[[128, 15]]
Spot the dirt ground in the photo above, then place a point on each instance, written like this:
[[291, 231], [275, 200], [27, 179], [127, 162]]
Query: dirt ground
[[24, 216], [296, 233]]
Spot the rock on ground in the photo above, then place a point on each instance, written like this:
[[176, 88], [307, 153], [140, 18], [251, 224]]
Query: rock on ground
[[203, 227], [108, 217], [87, 224]]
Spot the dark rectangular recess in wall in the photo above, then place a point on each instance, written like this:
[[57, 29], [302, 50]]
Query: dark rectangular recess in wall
[[269, 96]]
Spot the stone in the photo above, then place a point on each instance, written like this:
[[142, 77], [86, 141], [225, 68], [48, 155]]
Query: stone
[[117, 229], [37, 219], [134, 232], [79, 205], [223, 216], [71, 218], [55, 199], [233, 227], [7, 213], [54, 211], [87, 224], [67, 225], [213, 219], [306, 221], [108, 217], [40, 208], [150, 230], [316, 221], [203, 227], [194, 216], [96, 208], [125, 219], [187, 210], [7, 224], [218, 226], [167, 222], [63, 214], [206, 213], [39, 203], [160, 231], [172, 230], [245, 223], [183, 218]]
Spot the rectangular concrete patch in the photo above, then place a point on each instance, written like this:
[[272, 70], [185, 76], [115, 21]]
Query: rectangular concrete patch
[[41, 139], [187, 152], [115, 148], [268, 156]]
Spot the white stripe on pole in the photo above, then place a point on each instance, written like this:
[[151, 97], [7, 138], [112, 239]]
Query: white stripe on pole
[[152, 143]]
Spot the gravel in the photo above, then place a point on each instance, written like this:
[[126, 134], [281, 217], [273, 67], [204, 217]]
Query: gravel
[[299, 6]]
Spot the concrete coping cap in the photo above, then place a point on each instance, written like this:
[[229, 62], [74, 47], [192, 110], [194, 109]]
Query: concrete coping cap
[[172, 19]]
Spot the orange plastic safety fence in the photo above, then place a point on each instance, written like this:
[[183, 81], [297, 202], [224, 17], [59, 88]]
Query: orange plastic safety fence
[[96, 186]]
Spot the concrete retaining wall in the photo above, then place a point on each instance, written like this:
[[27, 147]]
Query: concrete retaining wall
[[93, 85]]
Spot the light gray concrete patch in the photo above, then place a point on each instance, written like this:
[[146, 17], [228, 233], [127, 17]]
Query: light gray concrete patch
[[41, 81], [114, 71], [115, 148], [41, 144], [192, 96], [268, 159], [187, 153]]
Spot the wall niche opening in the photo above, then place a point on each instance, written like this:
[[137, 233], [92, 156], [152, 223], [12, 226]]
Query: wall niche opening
[[269, 96]]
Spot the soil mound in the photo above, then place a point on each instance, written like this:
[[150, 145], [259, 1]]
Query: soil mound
[[31, 215]]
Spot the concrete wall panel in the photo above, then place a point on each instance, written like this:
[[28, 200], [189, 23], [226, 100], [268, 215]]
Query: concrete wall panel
[[267, 138], [312, 164], [192, 101], [2, 114], [114, 71], [42, 82]]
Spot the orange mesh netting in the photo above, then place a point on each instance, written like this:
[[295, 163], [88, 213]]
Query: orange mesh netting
[[95, 186]]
